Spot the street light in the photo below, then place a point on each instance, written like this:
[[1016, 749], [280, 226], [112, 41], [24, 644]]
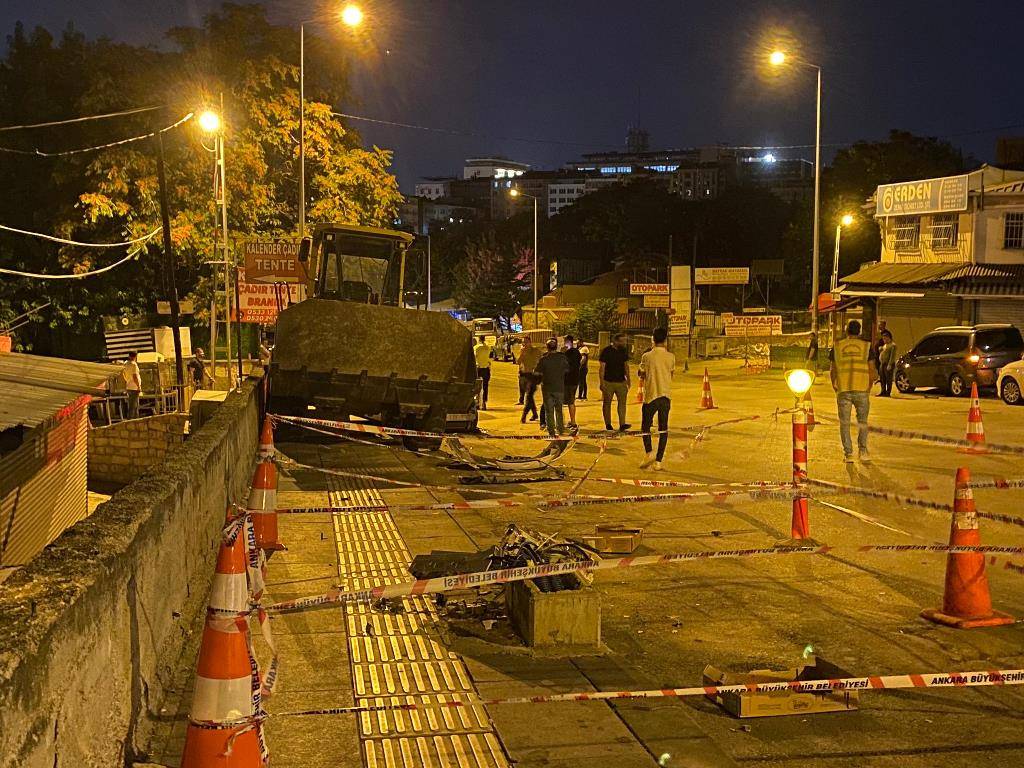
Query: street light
[[799, 381], [351, 16], [778, 58], [514, 192], [211, 123], [846, 221]]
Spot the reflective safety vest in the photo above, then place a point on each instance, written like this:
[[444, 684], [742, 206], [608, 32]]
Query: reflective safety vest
[[851, 359]]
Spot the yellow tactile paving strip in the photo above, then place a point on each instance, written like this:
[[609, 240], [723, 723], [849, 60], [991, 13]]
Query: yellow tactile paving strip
[[397, 658]]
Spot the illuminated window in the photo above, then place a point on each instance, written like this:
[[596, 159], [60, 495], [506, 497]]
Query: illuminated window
[[945, 229], [906, 232], [1013, 230]]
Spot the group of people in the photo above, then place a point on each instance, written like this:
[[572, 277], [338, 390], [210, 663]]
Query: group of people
[[882, 351], [561, 374]]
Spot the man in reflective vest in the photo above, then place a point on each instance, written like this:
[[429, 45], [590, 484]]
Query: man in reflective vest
[[853, 373]]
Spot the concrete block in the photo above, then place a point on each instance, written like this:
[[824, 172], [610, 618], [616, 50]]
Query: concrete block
[[569, 617]]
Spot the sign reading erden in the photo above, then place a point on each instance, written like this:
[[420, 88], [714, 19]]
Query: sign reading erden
[[273, 262], [943, 195]]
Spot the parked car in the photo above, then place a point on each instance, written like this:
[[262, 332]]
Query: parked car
[[1009, 383], [953, 357]]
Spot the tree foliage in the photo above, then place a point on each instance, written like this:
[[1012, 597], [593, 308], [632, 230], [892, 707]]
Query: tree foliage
[[492, 278], [111, 195], [590, 318]]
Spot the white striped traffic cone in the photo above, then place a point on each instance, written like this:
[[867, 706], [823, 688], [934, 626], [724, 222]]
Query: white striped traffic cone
[[266, 446], [707, 402], [975, 427], [222, 732], [262, 504]]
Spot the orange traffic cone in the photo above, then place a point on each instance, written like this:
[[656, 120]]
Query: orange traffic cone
[[266, 446], [706, 401], [975, 427], [966, 602], [262, 504], [221, 731]]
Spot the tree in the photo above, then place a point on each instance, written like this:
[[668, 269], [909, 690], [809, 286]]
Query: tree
[[590, 318], [491, 280], [111, 195], [855, 173]]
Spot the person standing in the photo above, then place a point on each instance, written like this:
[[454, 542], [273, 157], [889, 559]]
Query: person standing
[[482, 355], [853, 373], [529, 356], [552, 369], [656, 368], [614, 376], [572, 379], [886, 364], [197, 369], [584, 360], [132, 383], [812, 352]]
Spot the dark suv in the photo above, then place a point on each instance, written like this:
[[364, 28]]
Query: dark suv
[[953, 357]]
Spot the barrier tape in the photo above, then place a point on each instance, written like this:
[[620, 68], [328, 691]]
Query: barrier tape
[[641, 483], [350, 426], [485, 578], [583, 478], [859, 516], [909, 500], [475, 504], [770, 493], [902, 434], [997, 482], [971, 679], [376, 478]]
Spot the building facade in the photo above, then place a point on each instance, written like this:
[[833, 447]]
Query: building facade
[[951, 252]]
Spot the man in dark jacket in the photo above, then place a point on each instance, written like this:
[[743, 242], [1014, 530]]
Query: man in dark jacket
[[552, 369]]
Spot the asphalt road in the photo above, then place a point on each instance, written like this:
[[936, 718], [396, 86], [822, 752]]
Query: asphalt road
[[662, 625]]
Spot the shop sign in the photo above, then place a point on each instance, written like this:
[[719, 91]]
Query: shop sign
[[722, 275], [752, 325], [945, 195]]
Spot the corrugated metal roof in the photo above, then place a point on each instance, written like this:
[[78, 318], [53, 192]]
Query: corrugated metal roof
[[1009, 188], [987, 272], [986, 280], [900, 274], [35, 388]]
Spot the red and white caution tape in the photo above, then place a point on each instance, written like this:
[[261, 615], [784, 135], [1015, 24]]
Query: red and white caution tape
[[997, 482], [909, 500], [643, 483], [971, 679], [450, 505], [351, 426], [523, 573], [859, 516], [783, 490], [583, 478], [902, 434]]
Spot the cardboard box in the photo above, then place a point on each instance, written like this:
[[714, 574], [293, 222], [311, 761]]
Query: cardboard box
[[772, 703], [615, 539]]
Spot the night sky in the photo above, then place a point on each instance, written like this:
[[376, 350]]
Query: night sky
[[572, 74]]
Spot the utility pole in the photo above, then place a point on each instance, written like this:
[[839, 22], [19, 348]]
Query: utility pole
[[169, 263]]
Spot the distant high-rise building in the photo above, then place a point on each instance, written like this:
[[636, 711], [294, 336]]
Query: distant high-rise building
[[637, 139], [1010, 152]]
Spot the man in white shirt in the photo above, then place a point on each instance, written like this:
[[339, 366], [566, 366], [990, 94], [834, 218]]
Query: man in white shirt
[[656, 367], [132, 383]]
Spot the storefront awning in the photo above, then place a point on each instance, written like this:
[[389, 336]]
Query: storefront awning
[[987, 281], [900, 274], [880, 293]]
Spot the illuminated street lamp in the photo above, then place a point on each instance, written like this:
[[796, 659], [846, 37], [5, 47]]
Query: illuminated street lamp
[[351, 16], [846, 221], [514, 192], [210, 122], [777, 59]]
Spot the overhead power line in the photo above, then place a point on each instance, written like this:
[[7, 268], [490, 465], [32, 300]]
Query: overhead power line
[[40, 153], [454, 132], [79, 119], [74, 276], [64, 241]]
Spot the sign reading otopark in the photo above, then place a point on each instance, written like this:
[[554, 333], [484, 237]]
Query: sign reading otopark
[[268, 261], [751, 325], [945, 195]]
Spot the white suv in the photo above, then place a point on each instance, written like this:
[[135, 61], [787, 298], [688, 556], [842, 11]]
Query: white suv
[[1010, 382]]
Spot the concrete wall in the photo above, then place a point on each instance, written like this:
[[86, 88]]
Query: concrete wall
[[89, 627], [123, 452]]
